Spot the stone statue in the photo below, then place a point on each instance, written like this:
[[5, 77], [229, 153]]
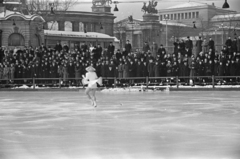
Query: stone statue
[[150, 8], [101, 2]]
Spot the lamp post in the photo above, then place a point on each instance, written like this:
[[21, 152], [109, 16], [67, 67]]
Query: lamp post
[[166, 19], [222, 33]]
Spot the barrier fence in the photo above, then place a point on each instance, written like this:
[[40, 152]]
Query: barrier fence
[[145, 82]]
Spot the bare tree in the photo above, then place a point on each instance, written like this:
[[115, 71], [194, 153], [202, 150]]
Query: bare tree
[[45, 7], [230, 22], [205, 26], [178, 30]]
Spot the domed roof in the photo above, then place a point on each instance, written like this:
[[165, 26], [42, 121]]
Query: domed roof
[[9, 14]]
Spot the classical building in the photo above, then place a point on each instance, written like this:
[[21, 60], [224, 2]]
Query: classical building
[[31, 25], [209, 20], [18, 29], [191, 19], [187, 13]]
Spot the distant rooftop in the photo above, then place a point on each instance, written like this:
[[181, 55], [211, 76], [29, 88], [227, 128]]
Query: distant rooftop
[[174, 24], [78, 34], [189, 4], [226, 17]]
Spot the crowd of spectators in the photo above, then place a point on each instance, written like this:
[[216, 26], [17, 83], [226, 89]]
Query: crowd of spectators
[[188, 59]]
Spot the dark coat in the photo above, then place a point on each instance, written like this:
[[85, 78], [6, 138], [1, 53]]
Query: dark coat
[[132, 70], [198, 46], [184, 70], [128, 47], [211, 45], [71, 71], [53, 71], [221, 70], [151, 69], [162, 70], [145, 70], [232, 69], [139, 71], [156, 70], [110, 50]]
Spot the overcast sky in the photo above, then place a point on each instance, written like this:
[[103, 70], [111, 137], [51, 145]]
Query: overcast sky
[[126, 9]]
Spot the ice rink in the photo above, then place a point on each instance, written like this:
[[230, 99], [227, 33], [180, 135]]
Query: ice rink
[[134, 125]]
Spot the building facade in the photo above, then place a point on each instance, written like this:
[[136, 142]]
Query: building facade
[[19, 30]]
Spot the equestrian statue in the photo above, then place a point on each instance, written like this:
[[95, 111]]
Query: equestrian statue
[[150, 8]]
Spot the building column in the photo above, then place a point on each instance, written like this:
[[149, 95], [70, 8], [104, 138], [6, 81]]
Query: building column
[[61, 25], [75, 26], [94, 27], [88, 27]]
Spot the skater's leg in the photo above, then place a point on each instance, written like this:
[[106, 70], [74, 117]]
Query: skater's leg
[[87, 92], [94, 98]]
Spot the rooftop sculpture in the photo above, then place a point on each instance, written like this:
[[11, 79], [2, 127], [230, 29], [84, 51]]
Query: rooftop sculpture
[[150, 8]]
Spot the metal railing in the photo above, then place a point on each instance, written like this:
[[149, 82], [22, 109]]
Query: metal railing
[[146, 82]]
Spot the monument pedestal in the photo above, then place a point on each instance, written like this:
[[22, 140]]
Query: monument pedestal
[[102, 9], [151, 28], [150, 17]]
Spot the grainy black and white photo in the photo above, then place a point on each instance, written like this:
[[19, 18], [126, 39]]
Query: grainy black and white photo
[[119, 79]]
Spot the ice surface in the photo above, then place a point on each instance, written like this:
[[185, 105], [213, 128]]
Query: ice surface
[[130, 125]]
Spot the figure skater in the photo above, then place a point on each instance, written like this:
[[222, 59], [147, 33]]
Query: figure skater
[[91, 80]]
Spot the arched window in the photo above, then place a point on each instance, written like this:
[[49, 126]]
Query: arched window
[[16, 39], [81, 27], [68, 26]]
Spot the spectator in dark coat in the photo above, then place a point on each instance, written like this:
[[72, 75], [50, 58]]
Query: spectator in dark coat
[[128, 47], [110, 50], [53, 70], [132, 69], [150, 68], [220, 69], [146, 47], [120, 70], [228, 43], [156, 69], [169, 68], [227, 69], [125, 70], [189, 43], [175, 69], [211, 44], [238, 44], [161, 51], [84, 47], [58, 47], [232, 68], [98, 52], [234, 45], [198, 46], [145, 69], [162, 70]]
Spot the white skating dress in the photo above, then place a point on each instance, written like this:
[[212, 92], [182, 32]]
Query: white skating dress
[[91, 80]]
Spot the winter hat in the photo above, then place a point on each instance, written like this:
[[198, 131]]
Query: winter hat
[[90, 69]]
